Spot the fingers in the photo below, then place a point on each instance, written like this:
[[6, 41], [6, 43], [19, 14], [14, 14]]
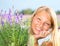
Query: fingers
[[43, 34], [49, 31]]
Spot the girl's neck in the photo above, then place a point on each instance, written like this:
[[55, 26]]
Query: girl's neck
[[35, 40], [36, 43]]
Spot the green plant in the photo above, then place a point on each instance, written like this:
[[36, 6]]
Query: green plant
[[13, 35]]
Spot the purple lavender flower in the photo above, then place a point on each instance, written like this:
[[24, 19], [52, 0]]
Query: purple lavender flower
[[2, 22], [9, 19], [21, 16], [16, 19]]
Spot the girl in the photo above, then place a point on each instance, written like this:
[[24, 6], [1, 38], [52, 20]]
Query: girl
[[43, 23]]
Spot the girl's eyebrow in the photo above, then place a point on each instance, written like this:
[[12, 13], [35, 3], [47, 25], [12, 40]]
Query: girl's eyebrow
[[39, 18]]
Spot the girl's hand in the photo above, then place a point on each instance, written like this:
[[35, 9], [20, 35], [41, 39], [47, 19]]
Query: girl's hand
[[42, 34]]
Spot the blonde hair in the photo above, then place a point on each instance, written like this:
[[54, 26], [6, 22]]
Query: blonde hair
[[54, 23]]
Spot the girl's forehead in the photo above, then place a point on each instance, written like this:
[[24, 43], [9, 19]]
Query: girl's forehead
[[44, 15]]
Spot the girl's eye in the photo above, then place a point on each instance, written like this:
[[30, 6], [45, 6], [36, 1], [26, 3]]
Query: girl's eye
[[47, 24]]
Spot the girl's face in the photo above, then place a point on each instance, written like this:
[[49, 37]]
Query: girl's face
[[41, 22]]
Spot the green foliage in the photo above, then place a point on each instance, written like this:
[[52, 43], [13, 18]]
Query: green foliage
[[57, 12], [28, 22], [13, 35], [27, 11]]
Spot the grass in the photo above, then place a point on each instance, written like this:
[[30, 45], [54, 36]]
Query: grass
[[13, 35]]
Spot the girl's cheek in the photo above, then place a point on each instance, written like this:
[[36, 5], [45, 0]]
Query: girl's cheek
[[35, 21], [45, 28]]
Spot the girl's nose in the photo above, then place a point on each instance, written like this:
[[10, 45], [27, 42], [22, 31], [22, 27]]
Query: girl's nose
[[41, 25]]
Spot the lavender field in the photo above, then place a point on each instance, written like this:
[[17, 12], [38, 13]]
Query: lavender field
[[18, 18], [14, 27]]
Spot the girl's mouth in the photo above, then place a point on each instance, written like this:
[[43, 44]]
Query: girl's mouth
[[38, 29]]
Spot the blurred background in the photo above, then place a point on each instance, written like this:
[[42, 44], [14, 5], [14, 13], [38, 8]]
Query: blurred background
[[22, 10], [27, 7]]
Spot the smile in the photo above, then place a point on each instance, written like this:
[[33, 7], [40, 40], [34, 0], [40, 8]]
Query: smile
[[38, 29]]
